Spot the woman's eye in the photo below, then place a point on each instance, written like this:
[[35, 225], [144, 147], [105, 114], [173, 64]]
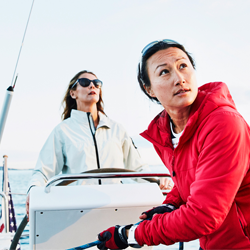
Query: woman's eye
[[183, 65], [164, 72]]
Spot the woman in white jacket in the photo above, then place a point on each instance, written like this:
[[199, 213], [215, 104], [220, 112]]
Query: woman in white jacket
[[86, 139]]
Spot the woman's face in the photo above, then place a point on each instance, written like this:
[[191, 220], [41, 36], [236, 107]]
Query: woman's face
[[86, 96], [172, 78]]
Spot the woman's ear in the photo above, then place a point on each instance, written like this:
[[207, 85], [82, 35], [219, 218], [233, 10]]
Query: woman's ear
[[149, 90], [72, 94]]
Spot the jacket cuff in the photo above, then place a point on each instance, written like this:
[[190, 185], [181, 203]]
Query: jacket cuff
[[131, 237]]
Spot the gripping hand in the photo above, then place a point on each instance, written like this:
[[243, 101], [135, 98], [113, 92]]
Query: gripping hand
[[114, 238], [164, 208]]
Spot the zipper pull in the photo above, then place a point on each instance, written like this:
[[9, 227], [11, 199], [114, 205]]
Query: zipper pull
[[172, 163]]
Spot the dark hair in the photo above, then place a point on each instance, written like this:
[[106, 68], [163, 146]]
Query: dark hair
[[69, 103], [142, 75]]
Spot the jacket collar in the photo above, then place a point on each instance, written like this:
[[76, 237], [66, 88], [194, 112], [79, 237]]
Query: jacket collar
[[210, 97], [81, 117], [104, 121]]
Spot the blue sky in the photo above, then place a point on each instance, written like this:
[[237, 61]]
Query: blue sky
[[106, 37]]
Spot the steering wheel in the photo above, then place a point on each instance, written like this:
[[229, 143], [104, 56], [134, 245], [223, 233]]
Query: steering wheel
[[108, 170]]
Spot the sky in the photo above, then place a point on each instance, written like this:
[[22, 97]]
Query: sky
[[106, 37]]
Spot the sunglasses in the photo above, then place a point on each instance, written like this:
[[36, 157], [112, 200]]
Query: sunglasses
[[85, 82], [150, 45]]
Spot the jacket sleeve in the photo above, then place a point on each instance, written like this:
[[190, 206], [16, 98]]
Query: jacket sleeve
[[174, 198], [50, 161], [223, 162], [131, 157]]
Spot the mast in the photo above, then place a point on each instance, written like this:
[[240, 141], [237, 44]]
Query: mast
[[10, 89], [6, 107]]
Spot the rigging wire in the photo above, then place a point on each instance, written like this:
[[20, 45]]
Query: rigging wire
[[15, 82], [22, 45]]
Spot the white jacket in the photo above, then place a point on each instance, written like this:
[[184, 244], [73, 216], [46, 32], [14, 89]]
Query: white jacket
[[70, 149]]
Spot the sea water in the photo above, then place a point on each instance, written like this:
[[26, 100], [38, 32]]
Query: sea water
[[19, 181]]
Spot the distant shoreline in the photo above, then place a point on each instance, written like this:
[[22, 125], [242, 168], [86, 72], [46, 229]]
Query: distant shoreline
[[1, 168]]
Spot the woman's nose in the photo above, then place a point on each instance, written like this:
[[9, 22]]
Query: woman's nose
[[179, 78], [91, 85]]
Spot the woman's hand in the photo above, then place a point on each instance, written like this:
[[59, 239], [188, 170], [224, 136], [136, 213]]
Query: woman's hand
[[164, 208], [27, 206], [114, 238], [166, 183]]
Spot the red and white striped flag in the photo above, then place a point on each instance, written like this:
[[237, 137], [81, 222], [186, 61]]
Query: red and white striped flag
[[10, 214], [1, 224]]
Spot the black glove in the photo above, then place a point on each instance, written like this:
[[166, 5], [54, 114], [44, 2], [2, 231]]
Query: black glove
[[114, 238], [164, 208]]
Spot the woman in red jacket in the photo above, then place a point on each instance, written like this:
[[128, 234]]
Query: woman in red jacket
[[205, 143]]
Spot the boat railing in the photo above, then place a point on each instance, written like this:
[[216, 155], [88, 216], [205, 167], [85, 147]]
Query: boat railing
[[73, 177]]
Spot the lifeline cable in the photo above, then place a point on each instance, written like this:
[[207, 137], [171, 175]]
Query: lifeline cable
[[94, 243], [88, 245]]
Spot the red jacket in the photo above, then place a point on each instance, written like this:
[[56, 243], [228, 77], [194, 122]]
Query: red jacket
[[210, 169]]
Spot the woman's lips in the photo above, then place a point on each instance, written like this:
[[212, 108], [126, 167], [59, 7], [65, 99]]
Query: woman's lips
[[181, 91]]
